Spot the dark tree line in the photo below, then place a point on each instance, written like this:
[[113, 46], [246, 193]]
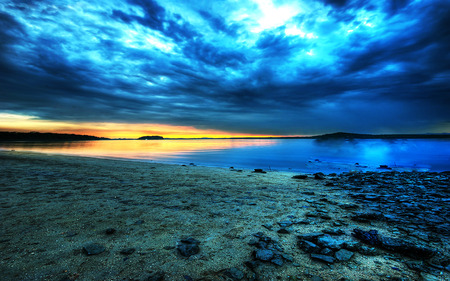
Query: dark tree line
[[36, 136]]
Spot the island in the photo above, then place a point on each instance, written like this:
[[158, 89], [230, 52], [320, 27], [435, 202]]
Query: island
[[151, 138]]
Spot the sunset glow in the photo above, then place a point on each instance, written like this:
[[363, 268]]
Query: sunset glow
[[26, 123]]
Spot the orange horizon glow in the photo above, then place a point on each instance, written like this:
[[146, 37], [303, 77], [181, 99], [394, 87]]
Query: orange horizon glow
[[25, 123]]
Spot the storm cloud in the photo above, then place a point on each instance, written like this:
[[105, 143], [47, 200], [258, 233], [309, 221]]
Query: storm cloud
[[255, 67]]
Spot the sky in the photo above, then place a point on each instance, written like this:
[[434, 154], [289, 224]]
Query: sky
[[225, 68]]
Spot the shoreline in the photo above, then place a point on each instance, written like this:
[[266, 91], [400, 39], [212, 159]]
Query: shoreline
[[313, 166], [54, 206]]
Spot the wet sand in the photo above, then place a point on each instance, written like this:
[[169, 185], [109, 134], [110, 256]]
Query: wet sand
[[53, 206]]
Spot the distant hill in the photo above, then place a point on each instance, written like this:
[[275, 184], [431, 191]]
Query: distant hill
[[35, 136], [341, 135], [151, 138]]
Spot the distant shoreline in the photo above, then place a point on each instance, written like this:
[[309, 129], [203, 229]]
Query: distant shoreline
[[37, 136]]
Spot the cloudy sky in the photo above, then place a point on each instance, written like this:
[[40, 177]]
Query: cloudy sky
[[236, 67]]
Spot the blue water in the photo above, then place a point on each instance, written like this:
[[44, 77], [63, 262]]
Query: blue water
[[300, 155]]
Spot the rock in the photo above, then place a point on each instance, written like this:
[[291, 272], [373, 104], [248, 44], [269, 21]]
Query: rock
[[285, 224], [277, 261], [188, 247], [93, 249], [127, 251], [308, 192], [263, 255], [319, 176], [284, 231], [252, 264], [68, 234], [110, 231], [268, 250], [261, 171], [310, 236], [323, 258], [348, 206], [287, 257], [300, 177], [394, 244], [429, 277], [158, 276], [369, 237], [326, 241], [308, 247], [343, 255], [367, 217], [407, 248], [326, 251], [267, 226], [417, 266], [234, 273], [334, 231], [368, 251]]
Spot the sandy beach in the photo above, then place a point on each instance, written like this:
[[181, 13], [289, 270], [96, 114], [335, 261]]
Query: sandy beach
[[75, 218]]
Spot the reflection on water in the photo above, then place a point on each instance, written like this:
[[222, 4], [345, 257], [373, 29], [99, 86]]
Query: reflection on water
[[278, 154], [157, 150]]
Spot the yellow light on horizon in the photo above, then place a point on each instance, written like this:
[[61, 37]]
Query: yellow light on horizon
[[27, 123]]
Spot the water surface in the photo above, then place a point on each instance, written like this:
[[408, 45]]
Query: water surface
[[302, 155]]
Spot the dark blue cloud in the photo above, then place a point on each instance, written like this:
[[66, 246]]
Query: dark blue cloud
[[219, 24], [286, 68]]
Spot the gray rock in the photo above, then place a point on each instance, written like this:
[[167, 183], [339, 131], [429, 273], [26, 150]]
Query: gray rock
[[327, 241], [343, 255]]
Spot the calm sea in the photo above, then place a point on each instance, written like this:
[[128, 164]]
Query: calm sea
[[300, 155]]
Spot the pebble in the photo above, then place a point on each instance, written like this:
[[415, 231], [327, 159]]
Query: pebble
[[110, 231], [93, 249], [127, 251], [188, 247]]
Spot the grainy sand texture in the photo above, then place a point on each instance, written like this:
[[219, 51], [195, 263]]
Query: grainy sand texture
[[74, 218]]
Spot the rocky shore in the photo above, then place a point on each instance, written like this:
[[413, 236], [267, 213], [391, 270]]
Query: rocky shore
[[72, 218]]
